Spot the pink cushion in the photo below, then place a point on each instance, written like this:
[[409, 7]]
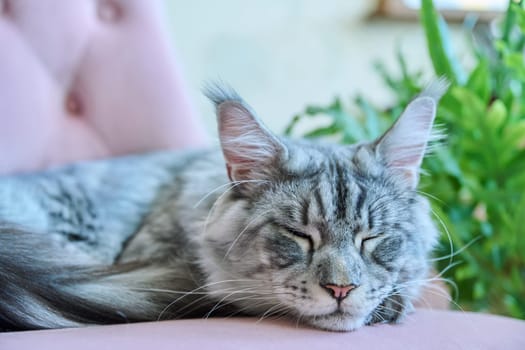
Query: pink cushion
[[440, 330], [88, 79]]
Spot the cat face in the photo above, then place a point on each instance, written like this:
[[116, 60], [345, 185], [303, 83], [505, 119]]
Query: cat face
[[334, 236]]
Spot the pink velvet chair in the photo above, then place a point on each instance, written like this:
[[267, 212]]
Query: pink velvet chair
[[83, 79]]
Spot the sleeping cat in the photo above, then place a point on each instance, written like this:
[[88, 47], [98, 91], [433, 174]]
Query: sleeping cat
[[328, 235]]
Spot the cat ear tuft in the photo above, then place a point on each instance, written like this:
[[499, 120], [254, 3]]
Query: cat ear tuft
[[403, 146], [250, 149]]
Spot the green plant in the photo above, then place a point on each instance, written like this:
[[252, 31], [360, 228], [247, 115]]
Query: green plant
[[477, 179]]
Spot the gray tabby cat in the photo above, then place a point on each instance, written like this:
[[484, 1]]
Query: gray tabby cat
[[332, 236]]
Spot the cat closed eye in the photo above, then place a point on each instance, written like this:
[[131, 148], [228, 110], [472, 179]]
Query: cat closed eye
[[301, 235], [367, 239], [298, 233]]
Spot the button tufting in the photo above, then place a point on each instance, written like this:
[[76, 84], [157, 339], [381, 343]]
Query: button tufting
[[4, 7], [109, 11], [73, 104]]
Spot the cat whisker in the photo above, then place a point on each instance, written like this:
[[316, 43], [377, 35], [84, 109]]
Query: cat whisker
[[427, 283], [393, 301], [218, 304], [444, 296], [428, 195], [168, 291], [434, 290], [459, 251], [248, 295], [217, 201], [180, 315], [224, 302], [285, 313], [256, 304], [380, 316], [233, 184], [447, 232], [280, 307], [448, 267], [299, 318], [447, 280], [426, 303], [206, 293], [376, 314], [386, 308], [245, 291], [389, 298], [212, 192], [373, 317], [423, 281], [244, 230]]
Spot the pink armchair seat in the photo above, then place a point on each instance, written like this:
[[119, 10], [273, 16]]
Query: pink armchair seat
[[83, 79], [424, 330]]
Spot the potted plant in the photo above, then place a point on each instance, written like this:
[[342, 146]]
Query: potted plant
[[475, 180]]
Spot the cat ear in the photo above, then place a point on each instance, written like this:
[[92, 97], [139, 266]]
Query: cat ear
[[250, 150], [403, 146]]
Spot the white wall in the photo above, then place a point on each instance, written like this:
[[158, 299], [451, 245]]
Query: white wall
[[282, 55]]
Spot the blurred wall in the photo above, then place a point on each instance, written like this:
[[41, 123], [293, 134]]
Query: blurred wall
[[282, 55]]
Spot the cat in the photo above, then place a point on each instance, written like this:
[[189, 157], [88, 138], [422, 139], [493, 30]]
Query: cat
[[331, 236]]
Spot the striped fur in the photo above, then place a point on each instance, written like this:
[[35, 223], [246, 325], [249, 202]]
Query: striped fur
[[256, 230]]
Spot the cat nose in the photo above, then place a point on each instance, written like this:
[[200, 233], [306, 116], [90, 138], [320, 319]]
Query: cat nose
[[338, 292]]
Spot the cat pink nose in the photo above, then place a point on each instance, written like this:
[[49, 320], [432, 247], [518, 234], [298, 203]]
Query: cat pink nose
[[338, 292]]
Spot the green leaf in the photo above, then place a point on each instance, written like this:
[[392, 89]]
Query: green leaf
[[515, 62], [373, 123], [471, 106], [314, 110], [515, 136], [323, 131], [479, 81], [479, 290], [291, 126], [438, 43], [496, 115], [508, 22], [465, 272], [449, 163]]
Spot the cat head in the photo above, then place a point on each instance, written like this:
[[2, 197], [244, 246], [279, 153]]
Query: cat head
[[336, 236]]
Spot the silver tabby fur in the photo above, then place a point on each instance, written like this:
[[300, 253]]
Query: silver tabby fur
[[172, 235]]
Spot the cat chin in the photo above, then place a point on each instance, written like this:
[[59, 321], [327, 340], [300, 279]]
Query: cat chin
[[336, 322]]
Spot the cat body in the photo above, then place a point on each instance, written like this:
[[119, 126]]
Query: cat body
[[332, 236]]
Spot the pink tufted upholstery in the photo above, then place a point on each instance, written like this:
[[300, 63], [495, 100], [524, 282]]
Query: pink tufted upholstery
[[87, 79]]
